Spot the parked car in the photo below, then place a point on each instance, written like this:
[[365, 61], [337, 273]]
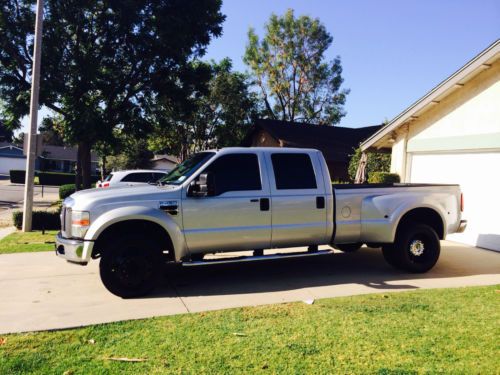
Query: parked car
[[251, 199], [131, 177]]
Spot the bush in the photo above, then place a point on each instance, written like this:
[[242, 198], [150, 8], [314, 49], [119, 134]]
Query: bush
[[383, 178], [66, 190], [59, 178], [376, 162], [47, 220], [17, 176]]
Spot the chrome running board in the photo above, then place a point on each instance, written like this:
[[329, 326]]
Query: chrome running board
[[242, 259]]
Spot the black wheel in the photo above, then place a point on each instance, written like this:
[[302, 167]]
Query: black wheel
[[348, 247], [197, 257], [130, 267], [389, 253], [417, 248]]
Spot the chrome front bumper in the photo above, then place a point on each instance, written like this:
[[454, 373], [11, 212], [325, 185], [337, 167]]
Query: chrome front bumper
[[70, 249], [462, 226]]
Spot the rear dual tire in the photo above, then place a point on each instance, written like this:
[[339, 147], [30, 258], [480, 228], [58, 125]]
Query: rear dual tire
[[416, 249]]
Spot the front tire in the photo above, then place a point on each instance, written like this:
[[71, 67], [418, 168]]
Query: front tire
[[416, 249], [130, 267]]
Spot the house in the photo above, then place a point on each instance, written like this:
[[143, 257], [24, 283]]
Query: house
[[452, 135], [11, 157], [52, 159], [164, 162], [337, 143]]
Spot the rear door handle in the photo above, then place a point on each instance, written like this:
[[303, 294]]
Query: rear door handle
[[254, 200], [320, 202], [264, 204]]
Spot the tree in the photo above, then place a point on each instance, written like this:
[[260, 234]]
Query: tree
[[289, 68], [6, 134], [215, 116], [133, 154], [377, 162], [102, 60]]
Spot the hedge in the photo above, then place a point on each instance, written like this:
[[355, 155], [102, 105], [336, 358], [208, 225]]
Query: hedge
[[59, 178], [66, 190], [46, 220], [17, 176], [383, 178]]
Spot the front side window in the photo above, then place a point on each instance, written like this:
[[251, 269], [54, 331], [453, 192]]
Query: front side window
[[189, 166], [235, 172], [293, 171]]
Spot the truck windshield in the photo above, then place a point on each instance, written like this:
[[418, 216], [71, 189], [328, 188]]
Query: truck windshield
[[180, 173]]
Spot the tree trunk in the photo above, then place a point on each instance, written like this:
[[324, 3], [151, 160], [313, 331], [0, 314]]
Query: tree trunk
[[84, 148], [78, 170]]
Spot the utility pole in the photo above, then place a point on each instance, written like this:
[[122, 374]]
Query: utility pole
[[31, 155]]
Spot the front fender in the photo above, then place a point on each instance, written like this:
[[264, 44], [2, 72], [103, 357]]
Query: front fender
[[382, 213], [135, 213]]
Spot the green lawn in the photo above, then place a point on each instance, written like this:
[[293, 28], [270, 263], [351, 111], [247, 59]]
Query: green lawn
[[425, 331], [20, 242]]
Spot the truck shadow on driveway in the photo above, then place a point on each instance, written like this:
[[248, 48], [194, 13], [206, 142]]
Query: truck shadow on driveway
[[365, 267]]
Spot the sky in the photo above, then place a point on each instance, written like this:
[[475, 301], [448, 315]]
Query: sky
[[393, 51]]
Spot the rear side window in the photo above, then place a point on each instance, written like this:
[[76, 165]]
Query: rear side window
[[293, 171], [157, 176], [137, 177], [235, 172]]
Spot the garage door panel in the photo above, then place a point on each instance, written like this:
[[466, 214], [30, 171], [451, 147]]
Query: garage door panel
[[477, 174], [6, 164]]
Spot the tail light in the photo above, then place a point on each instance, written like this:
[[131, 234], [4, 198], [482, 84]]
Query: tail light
[[462, 202], [106, 184]]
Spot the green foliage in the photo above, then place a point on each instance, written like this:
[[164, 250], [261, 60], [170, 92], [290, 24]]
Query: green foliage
[[41, 220], [215, 116], [418, 332], [134, 154], [66, 190], [289, 67], [104, 62], [377, 162], [383, 178]]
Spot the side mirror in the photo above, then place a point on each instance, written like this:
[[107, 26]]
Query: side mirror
[[203, 186]]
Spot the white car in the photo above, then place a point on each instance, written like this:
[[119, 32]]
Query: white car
[[131, 177]]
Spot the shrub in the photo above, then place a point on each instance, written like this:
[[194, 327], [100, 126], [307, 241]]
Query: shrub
[[376, 162], [17, 176], [66, 190], [383, 178], [59, 178], [48, 220]]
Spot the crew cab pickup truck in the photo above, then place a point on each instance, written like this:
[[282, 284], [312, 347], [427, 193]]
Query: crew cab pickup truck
[[237, 199]]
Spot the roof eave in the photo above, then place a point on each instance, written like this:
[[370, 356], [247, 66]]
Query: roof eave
[[455, 81]]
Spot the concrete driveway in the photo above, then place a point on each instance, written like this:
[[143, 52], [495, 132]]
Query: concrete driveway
[[39, 291]]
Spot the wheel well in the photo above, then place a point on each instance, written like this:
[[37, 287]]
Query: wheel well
[[426, 216], [153, 231]]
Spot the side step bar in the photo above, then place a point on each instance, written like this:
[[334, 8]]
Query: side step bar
[[242, 259]]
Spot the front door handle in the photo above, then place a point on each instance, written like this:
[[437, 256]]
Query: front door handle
[[264, 204]]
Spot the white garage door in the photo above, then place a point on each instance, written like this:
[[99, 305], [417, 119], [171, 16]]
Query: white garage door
[[6, 164], [479, 177]]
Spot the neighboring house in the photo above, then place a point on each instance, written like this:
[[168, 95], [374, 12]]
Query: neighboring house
[[164, 162], [52, 159], [452, 135], [337, 143], [63, 159], [11, 157]]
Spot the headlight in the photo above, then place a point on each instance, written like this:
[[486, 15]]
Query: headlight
[[80, 223]]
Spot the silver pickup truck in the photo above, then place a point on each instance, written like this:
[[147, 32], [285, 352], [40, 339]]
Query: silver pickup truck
[[254, 199]]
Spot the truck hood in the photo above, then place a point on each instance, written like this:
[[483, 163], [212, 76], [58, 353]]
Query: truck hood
[[89, 198]]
